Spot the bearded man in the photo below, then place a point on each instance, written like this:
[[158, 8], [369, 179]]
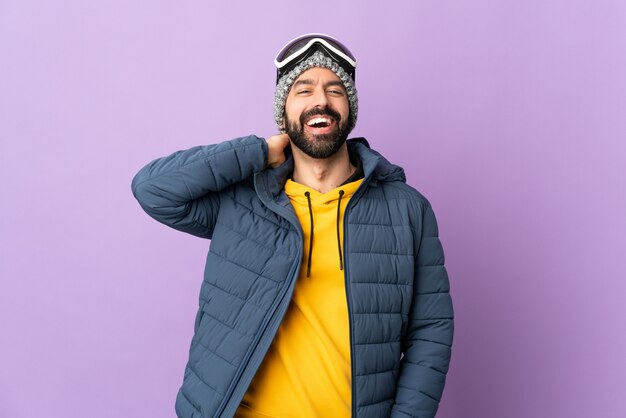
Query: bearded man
[[325, 292]]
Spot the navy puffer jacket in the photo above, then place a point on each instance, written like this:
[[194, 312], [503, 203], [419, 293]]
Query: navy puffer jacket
[[401, 319]]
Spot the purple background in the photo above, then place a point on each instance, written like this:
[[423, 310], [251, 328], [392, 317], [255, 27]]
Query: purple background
[[508, 115]]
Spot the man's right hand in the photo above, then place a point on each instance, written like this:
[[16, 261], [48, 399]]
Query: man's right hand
[[276, 145]]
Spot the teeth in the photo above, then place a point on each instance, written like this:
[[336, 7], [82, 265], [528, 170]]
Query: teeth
[[318, 120]]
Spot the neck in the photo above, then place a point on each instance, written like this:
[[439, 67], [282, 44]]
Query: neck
[[325, 174]]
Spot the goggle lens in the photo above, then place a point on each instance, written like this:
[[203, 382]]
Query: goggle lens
[[296, 45]]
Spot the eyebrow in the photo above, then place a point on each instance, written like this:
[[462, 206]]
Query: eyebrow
[[305, 81], [335, 83]]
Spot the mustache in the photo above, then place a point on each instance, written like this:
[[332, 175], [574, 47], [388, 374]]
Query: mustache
[[320, 111]]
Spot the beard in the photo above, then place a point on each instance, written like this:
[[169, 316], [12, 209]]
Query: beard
[[318, 146]]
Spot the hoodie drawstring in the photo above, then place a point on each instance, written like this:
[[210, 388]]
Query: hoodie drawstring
[[308, 267], [308, 198], [338, 236]]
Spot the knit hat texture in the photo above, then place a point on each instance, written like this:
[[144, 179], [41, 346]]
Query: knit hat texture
[[318, 59]]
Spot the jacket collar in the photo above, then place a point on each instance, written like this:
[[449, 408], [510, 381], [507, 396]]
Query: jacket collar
[[269, 183]]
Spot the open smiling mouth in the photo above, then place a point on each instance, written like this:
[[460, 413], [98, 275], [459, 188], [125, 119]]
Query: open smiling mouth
[[319, 122]]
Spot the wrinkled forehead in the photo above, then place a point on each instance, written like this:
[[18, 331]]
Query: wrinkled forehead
[[318, 75]]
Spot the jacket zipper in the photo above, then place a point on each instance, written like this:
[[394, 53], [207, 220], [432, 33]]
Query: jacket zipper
[[346, 279], [268, 323], [347, 286]]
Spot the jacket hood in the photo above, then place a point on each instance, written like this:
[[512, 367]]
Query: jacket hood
[[374, 163]]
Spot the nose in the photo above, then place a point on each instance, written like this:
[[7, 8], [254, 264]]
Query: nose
[[319, 98]]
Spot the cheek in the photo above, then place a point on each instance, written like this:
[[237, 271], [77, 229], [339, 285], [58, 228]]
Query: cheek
[[291, 110], [342, 106], [292, 116], [344, 111]]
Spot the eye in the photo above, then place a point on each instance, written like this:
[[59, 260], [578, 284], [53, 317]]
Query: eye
[[336, 92]]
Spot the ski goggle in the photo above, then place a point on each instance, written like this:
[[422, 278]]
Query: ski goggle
[[303, 46]]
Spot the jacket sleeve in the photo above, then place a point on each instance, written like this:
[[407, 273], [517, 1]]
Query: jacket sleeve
[[182, 190], [428, 339]]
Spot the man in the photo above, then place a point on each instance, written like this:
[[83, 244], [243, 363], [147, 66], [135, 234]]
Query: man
[[324, 293]]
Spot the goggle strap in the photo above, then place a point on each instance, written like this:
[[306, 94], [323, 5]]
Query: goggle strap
[[301, 51]]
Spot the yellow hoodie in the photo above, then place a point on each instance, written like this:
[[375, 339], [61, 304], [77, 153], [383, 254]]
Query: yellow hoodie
[[306, 372]]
